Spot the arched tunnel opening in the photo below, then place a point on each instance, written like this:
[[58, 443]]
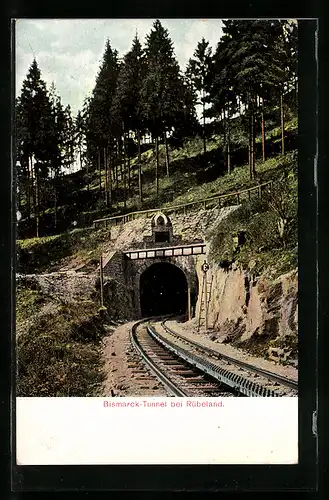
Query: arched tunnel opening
[[163, 290]]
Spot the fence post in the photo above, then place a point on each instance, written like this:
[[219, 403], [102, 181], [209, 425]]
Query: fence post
[[260, 191]]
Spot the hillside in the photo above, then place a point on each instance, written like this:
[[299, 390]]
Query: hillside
[[59, 283], [193, 175]]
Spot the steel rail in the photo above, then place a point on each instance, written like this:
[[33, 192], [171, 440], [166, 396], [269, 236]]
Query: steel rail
[[169, 385], [272, 376], [233, 380]]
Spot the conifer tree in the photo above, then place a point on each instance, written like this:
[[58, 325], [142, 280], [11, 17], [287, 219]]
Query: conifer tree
[[253, 67], [34, 135], [222, 94], [159, 97], [198, 70], [100, 125], [59, 142], [126, 104], [80, 136]]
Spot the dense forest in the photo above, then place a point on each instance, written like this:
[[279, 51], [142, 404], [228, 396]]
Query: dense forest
[[143, 102]]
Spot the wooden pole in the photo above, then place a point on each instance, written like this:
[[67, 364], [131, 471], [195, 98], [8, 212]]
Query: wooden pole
[[102, 281], [206, 298]]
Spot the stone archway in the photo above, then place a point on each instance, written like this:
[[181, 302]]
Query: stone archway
[[135, 269]]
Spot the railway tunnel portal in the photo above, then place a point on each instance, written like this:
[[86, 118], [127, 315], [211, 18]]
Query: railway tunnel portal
[[160, 276]]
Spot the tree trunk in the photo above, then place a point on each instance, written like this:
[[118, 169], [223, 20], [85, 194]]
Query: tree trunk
[[253, 144], [128, 161], [32, 185], [88, 183], [19, 194], [263, 130], [100, 172], [55, 201], [37, 221], [224, 136], [282, 121], [139, 167], [121, 161], [204, 124], [105, 179], [117, 157], [124, 173], [109, 192], [167, 153], [28, 190], [157, 168], [249, 146]]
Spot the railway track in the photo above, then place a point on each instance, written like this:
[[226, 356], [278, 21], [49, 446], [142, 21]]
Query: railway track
[[234, 365], [176, 362], [180, 378]]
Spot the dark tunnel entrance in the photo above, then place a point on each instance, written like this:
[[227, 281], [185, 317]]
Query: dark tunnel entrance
[[163, 290]]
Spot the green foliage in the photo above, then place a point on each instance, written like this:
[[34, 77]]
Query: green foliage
[[60, 353], [265, 248], [41, 253], [28, 302]]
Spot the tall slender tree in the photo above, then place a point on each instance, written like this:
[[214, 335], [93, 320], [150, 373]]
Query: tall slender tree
[[198, 70], [100, 124], [126, 106], [34, 135], [159, 97]]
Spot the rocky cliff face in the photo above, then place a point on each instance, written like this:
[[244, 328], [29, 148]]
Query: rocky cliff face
[[256, 314]]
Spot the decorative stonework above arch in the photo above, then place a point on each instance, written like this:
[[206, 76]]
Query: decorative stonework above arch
[[161, 219], [161, 229]]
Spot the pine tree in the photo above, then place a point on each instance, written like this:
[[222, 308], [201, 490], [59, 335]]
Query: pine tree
[[222, 95], [100, 125], [80, 136], [159, 99], [63, 145], [126, 106], [254, 68], [34, 135], [198, 70], [70, 138]]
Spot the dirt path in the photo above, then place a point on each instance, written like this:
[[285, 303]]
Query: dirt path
[[187, 330], [126, 374]]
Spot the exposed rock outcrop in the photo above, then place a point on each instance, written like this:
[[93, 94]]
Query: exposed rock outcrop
[[256, 314]]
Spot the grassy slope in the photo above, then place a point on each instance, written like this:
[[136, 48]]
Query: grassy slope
[[58, 353], [187, 182], [193, 175]]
